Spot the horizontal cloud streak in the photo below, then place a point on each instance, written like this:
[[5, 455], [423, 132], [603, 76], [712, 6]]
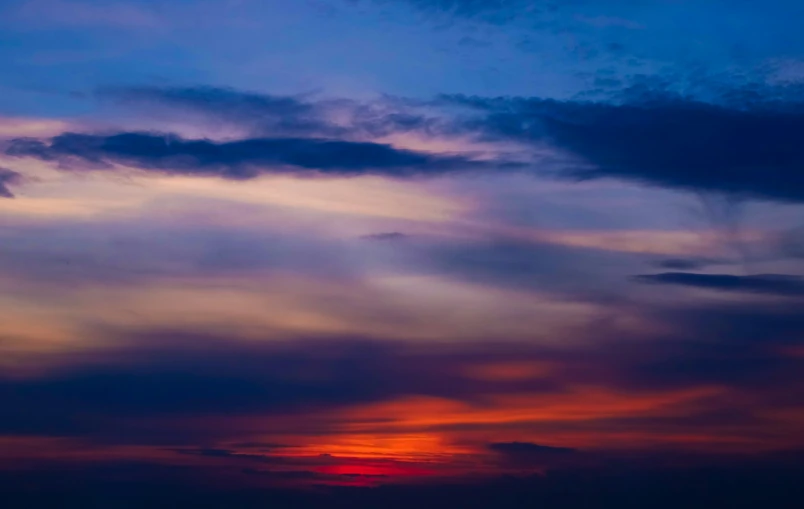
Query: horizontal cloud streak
[[276, 115], [241, 159], [759, 283]]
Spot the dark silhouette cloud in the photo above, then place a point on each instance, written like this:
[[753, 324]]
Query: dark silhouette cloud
[[228, 453], [760, 283], [747, 148], [241, 159], [529, 455], [529, 449], [8, 177]]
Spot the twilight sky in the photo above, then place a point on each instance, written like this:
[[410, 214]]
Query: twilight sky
[[395, 253]]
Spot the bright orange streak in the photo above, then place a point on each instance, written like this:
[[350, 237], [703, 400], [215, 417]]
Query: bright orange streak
[[421, 447]]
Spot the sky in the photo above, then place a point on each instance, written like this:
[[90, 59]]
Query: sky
[[394, 253]]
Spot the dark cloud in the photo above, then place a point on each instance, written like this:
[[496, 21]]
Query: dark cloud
[[266, 115], [228, 454], [225, 101], [529, 449], [761, 283], [180, 374], [745, 142], [748, 148], [296, 115], [119, 394], [769, 481], [8, 177], [195, 381], [685, 263], [527, 455], [241, 159]]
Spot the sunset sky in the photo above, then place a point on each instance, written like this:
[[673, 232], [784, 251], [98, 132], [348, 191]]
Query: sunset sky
[[402, 253]]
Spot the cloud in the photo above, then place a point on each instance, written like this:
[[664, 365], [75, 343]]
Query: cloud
[[386, 236], [710, 484], [8, 177], [264, 113], [528, 449], [544, 267], [791, 243], [685, 263], [774, 284], [747, 145], [528, 455], [274, 115], [228, 453], [743, 141], [242, 159], [65, 253], [179, 375], [179, 387]]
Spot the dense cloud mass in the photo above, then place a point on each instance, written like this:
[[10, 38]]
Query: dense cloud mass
[[753, 152]]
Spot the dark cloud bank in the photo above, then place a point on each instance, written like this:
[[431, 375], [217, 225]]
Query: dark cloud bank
[[746, 149], [132, 392], [140, 485], [241, 159], [746, 143], [102, 394]]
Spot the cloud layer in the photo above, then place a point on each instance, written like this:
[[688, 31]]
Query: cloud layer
[[744, 150]]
